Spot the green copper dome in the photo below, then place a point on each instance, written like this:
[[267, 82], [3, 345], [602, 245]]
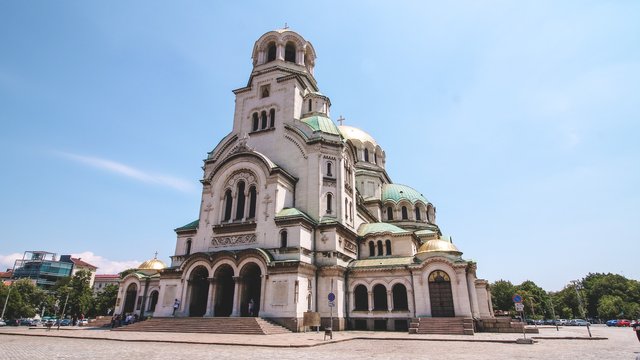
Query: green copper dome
[[321, 123], [396, 192]]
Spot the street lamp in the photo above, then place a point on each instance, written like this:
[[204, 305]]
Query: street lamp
[[577, 284]]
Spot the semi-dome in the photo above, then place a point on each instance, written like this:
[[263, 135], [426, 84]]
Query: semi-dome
[[153, 264], [439, 245], [352, 133], [397, 192]]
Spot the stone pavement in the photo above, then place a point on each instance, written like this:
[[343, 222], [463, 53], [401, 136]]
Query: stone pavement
[[76, 343]]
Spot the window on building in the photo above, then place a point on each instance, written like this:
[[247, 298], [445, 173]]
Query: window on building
[[405, 215], [389, 213], [400, 297], [380, 250], [372, 249], [188, 247], [346, 209], [366, 155], [272, 118], [387, 245], [271, 52], [329, 203], [309, 105], [361, 298], [417, 214], [252, 202], [329, 166], [380, 298], [263, 116], [241, 201], [256, 122], [153, 300], [228, 204], [283, 239], [375, 157], [290, 52]]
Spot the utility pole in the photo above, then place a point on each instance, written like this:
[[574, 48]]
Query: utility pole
[[6, 300], [576, 284]]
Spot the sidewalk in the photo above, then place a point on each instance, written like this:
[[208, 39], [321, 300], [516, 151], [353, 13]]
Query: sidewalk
[[308, 339]]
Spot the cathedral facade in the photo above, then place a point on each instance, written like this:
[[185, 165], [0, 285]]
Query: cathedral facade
[[296, 211]]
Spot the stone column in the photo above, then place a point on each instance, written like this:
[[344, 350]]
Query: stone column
[[389, 300], [280, 51], [236, 296], [263, 288], [300, 57], [370, 293], [211, 298], [475, 311], [461, 300]]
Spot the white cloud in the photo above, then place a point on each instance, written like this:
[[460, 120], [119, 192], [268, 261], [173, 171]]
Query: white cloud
[[7, 261], [130, 172], [106, 266]]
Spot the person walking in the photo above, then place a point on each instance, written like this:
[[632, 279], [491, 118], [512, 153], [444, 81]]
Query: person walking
[[636, 328], [176, 305]]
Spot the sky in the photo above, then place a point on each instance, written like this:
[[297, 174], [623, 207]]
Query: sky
[[518, 120]]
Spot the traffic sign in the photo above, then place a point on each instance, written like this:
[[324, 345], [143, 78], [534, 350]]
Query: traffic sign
[[517, 298], [519, 306], [331, 296], [332, 304]]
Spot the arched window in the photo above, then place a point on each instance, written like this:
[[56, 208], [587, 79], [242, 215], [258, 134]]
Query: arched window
[[372, 249], [228, 203], [252, 202], [272, 118], [389, 213], [188, 247], [380, 298], [240, 207], [361, 298], [375, 157], [387, 245], [366, 154], [400, 297], [153, 300], [380, 250], [417, 214], [329, 166], [271, 52], [283, 239], [329, 202], [309, 105], [263, 116], [405, 215], [256, 121], [290, 52]]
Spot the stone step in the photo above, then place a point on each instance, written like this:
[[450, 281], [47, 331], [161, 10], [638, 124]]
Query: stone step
[[249, 325], [451, 326]]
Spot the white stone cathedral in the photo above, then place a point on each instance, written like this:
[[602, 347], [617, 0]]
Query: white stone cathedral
[[294, 208]]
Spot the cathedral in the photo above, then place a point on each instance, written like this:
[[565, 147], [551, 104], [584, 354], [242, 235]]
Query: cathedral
[[299, 216]]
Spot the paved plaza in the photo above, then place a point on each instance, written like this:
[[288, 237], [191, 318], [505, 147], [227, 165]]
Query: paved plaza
[[73, 343]]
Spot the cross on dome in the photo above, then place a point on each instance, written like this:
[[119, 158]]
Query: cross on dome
[[341, 120]]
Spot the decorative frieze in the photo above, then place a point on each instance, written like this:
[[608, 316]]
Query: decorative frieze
[[233, 240]]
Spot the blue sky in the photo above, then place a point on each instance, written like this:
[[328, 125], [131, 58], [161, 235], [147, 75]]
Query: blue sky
[[518, 120]]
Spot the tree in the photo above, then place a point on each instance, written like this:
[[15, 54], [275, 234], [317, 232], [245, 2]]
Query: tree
[[610, 306], [502, 292], [106, 299], [77, 288], [25, 299], [535, 299]]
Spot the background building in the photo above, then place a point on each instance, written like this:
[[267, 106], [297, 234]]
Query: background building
[[45, 268]]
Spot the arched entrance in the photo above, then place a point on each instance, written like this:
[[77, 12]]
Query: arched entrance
[[130, 299], [440, 294], [153, 301], [251, 286], [199, 285], [224, 291]]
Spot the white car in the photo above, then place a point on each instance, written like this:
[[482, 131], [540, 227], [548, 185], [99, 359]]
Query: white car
[[2, 323], [83, 322]]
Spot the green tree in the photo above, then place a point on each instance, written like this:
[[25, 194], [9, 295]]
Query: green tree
[[80, 299], [25, 299], [598, 285], [502, 292], [106, 299], [535, 299], [610, 306]]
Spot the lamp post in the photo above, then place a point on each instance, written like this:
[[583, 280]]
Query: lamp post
[[6, 300], [576, 284]]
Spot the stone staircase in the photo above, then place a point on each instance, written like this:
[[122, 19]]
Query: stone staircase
[[442, 325], [221, 325]]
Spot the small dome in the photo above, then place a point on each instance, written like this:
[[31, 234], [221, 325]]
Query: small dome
[[439, 245], [397, 192], [352, 133], [153, 264]]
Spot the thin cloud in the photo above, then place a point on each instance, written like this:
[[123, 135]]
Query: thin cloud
[[130, 172], [106, 266], [7, 261]]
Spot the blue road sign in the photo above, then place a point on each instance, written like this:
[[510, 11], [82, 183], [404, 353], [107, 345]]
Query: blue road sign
[[332, 296], [517, 298]]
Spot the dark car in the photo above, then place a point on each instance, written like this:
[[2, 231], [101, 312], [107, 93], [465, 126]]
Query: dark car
[[12, 322], [63, 322]]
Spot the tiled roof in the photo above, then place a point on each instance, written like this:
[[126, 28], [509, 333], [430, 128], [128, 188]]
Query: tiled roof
[[107, 276], [190, 226], [79, 262], [397, 192]]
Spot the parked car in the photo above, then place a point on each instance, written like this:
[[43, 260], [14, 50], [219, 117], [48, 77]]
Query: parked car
[[549, 322], [613, 322], [2, 323], [63, 322], [83, 322], [623, 322], [580, 322], [561, 322]]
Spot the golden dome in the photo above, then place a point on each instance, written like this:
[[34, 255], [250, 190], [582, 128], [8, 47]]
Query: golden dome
[[153, 264], [439, 245]]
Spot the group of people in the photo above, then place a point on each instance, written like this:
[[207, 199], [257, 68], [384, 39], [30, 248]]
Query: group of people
[[118, 320]]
